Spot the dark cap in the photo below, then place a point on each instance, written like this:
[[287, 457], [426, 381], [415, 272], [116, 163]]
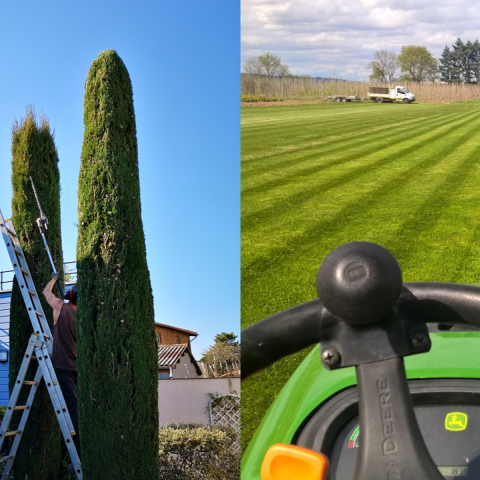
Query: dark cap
[[71, 295]]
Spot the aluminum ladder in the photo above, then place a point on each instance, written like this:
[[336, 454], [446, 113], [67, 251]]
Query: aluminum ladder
[[39, 349]]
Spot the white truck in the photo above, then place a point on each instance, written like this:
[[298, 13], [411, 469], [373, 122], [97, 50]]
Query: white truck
[[392, 94]]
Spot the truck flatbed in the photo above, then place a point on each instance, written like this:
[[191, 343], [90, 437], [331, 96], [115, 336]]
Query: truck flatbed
[[344, 98]]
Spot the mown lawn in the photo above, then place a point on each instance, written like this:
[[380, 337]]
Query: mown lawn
[[317, 176]]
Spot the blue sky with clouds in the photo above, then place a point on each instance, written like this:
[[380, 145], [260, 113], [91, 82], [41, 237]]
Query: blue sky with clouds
[[338, 39], [183, 61]]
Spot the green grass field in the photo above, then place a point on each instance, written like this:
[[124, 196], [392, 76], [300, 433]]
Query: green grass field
[[317, 176]]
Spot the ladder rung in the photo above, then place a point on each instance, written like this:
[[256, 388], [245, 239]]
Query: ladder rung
[[21, 407], [18, 252], [34, 357], [38, 314], [11, 232], [29, 382], [31, 293], [5, 459], [13, 432], [46, 336], [23, 271]]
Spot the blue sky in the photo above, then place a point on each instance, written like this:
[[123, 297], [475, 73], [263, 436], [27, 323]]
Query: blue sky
[[183, 59]]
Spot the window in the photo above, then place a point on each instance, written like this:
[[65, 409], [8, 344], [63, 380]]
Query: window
[[178, 339], [159, 338], [163, 374]]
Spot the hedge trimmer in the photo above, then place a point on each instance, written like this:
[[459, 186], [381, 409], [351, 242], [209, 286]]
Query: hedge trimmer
[[42, 223]]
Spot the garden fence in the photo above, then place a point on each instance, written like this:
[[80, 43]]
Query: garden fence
[[225, 411]]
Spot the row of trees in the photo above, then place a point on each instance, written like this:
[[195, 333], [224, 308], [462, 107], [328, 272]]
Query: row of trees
[[458, 64], [461, 63], [416, 63]]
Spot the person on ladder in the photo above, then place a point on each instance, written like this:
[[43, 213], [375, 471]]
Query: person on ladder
[[64, 355]]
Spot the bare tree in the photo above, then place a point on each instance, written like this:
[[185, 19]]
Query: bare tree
[[223, 359], [253, 66], [268, 65], [384, 66]]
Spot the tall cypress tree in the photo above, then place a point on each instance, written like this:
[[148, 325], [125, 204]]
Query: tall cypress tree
[[34, 154], [117, 352]]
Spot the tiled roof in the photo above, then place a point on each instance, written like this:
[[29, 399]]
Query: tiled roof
[[169, 356], [176, 328]]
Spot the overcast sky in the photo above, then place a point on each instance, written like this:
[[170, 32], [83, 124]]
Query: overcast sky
[[338, 38]]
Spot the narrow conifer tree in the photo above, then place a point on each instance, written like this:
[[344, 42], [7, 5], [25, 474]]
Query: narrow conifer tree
[[117, 353], [34, 154]]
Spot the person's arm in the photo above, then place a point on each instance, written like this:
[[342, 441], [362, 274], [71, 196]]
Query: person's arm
[[52, 300]]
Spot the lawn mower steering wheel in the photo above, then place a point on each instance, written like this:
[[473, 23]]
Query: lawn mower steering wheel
[[366, 317]]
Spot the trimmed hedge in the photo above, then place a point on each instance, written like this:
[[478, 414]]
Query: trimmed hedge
[[34, 154], [197, 452]]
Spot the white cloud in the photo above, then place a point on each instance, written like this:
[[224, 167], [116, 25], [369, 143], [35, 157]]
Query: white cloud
[[326, 37]]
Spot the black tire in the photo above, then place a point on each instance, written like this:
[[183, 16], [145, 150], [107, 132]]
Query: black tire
[[379, 100], [344, 100], [338, 99], [406, 100]]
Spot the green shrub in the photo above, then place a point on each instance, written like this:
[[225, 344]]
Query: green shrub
[[258, 98], [194, 451]]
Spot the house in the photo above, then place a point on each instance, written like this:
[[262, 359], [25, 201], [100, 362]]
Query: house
[[5, 297], [175, 358], [168, 335]]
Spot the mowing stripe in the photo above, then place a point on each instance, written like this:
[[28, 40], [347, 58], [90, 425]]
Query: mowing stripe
[[297, 154], [287, 198], [336, 153], [319, 136], [303, 234], [264, 141]]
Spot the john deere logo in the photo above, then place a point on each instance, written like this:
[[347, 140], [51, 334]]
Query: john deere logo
[[456, 421]]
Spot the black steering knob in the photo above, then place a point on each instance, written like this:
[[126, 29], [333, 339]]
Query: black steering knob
[[359, 282]]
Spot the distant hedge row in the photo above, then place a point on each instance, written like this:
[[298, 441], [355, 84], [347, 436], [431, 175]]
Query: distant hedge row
[[258, 98]]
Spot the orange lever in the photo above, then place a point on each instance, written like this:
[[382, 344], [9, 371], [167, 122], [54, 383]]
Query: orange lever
[[289, 462]]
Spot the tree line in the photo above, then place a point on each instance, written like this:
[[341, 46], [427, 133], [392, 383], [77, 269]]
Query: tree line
[[461, 63], [415, 63], [458, 64]]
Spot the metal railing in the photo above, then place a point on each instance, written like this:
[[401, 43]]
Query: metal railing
[[7, 276], [70, 274], [3, 283]]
